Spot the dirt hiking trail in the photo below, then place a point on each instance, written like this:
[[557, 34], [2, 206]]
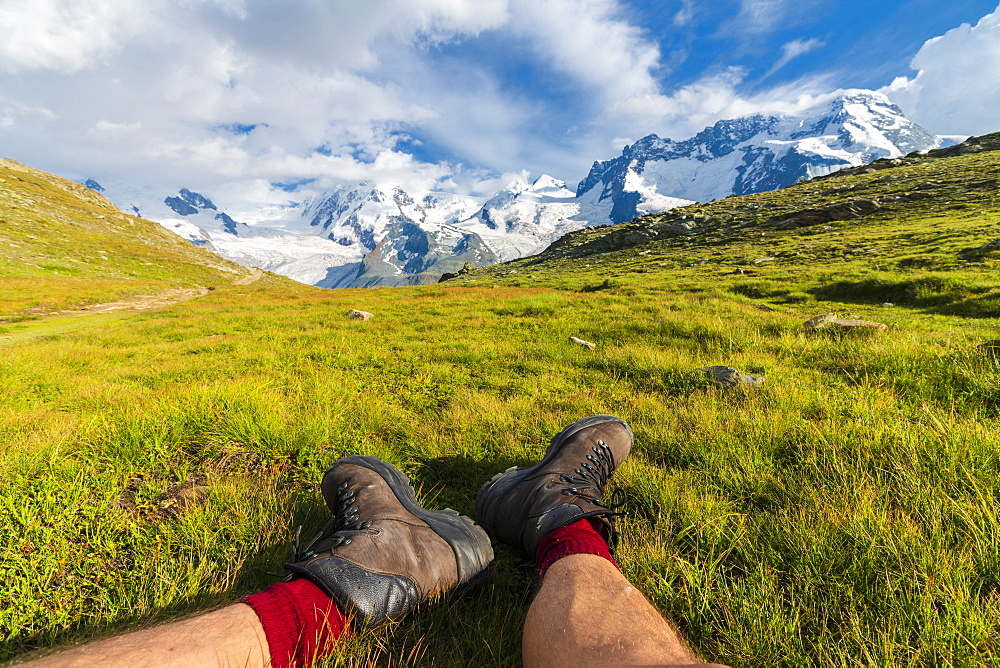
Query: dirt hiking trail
[[255, 275]]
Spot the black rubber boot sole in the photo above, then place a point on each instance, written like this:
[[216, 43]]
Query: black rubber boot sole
[[502, 483], [470, 543]]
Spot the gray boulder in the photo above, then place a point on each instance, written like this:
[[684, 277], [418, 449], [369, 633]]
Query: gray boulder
[[820, 321], [860, 326], [728, 377]]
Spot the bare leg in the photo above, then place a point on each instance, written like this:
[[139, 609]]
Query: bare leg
[[231, 636], [588, 614]]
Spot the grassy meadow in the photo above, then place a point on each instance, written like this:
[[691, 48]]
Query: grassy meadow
[[843, 514]]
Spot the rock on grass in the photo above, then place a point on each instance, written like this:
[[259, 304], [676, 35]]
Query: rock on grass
[[728, 377]]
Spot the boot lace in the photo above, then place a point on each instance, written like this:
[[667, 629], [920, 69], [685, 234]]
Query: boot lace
[[593, 474], [345, 523]]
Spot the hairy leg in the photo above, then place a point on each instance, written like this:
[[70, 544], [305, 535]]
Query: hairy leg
[[232, 636], [587, 614]]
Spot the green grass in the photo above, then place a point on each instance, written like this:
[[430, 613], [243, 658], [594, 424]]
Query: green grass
[[845, 513]]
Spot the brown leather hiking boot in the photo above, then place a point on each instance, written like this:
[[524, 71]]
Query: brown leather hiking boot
[[387, 553], [521, 505]]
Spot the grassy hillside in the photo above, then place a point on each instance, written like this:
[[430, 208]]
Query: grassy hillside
[[63, 246], [844, 513]]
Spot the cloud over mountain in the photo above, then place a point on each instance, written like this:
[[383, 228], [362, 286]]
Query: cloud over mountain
[[264, 103], [957, 86]]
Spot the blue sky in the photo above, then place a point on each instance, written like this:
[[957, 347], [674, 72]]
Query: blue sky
[[863, 44], [807, 44], [255, 102]]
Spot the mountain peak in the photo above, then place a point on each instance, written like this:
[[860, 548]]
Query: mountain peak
[[861, 96], [327, 239], [546, 182], [188, 203]]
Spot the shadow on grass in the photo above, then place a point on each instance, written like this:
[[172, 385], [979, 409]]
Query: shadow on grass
[[947, 295], [454, 480]]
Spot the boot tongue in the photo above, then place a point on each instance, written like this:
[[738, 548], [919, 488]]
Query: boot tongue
[[376, 501]]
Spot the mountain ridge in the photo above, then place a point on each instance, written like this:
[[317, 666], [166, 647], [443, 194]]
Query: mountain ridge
[[757, 153], [325, 240]]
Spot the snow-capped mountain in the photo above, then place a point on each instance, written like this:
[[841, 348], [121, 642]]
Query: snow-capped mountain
[[412, 254], [754, 153], [302, 257], [189, 214], [524, 218], [371, 234], [403, 239], [408, 238]]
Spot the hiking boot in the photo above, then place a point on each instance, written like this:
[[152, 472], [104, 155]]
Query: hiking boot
[[521, 505], [387, 553]]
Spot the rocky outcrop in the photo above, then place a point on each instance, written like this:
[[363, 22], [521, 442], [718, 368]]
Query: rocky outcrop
[[990, 142], [447, 276], [823, 214]]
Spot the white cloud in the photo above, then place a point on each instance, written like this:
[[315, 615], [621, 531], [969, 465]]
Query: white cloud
[[73, 34], [589, 46], [115, 88], [588, 40], [152, 91], [56, 34], [759, 16], [692, 108], [118, 128], [685, 14], [792, 50], [957, 86], [147, 89], [622, 70]]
